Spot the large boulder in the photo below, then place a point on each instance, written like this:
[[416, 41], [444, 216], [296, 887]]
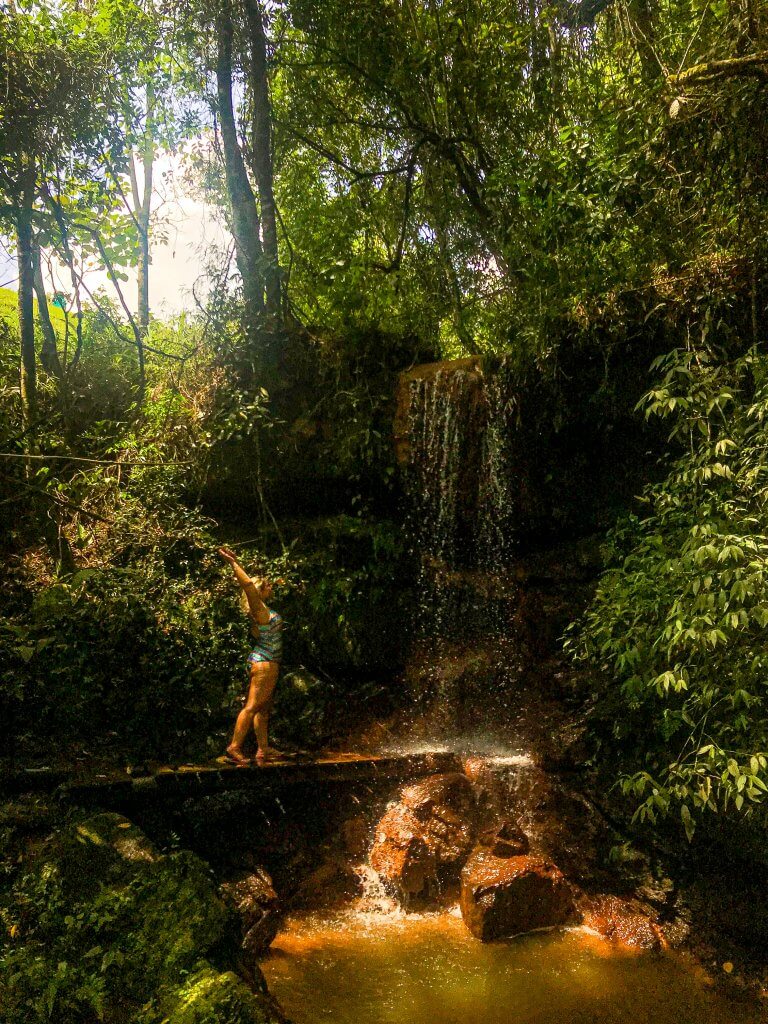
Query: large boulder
[[122, 929], [422, 841], [446, 794], [333, 881], [506, 896], [505, 839], [401, 854]]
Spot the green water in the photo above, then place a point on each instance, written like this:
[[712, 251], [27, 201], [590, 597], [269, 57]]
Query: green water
[[363, 969]]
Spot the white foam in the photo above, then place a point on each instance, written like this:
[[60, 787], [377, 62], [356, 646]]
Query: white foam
[[516, 760]]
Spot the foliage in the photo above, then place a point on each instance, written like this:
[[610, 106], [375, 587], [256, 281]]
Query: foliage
[[486, 169], [127, 596], [450, 177], [99, 926], [678, 621]]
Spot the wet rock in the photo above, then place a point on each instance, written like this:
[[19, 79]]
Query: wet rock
[[422, 841], [476, 769], [677, 931], [355, 836], [401, 854], [659, 892], [622, 923], [334, 880], [505, 840], [493, 788], [254, 899], [506, 896], [437, 794]]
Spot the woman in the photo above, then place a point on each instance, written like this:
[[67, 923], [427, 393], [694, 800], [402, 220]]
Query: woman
[[263, 665]]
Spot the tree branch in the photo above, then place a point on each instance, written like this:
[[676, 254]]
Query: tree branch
[[754, 64]]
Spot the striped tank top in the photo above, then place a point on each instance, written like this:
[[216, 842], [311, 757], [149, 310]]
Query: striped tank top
[[268, 644]]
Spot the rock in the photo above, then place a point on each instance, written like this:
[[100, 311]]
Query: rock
[[450, 791], [356, 836], [212, 997], [121, 926], [422, 841], [621, 922], [493, 787], [334, 879], [253, 897], [506, 896], [505, 840], [676, 932], [476, 769], [401, 854]]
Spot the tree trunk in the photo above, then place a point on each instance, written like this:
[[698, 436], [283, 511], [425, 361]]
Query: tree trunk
[[246, 228], [261, 150], [49, 353], [142, 211], [644, 29], [28, 379]]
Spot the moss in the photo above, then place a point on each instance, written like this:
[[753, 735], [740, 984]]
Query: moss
[[100, 926], [212, 997]]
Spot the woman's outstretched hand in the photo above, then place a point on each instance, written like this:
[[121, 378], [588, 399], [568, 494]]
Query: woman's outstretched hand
[[227, 555]]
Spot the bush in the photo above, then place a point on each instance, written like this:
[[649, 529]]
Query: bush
[[677, 625]]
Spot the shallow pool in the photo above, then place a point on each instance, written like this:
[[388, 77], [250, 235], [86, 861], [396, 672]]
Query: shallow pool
[[357, 968]]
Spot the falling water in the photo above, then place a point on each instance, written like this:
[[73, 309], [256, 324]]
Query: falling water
[[374, 903], [496, 527], [460, 482], [461, 486]]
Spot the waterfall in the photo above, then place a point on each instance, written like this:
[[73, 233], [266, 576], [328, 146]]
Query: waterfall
[[460, 483]]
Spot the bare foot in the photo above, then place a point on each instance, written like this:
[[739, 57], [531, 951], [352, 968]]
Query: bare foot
[[236, 756]]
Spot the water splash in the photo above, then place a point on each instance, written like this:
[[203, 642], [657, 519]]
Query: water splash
[[374, 902], [511, 760]]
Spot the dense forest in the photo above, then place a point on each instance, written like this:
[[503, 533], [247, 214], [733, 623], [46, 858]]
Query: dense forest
[[572, 196]]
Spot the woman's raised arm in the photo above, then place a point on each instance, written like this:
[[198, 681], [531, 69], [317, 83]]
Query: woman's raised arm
[[256, 606]]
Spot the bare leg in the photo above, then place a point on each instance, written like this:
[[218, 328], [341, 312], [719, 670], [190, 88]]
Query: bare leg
[[260, 727], [242, 727], [256, 710]]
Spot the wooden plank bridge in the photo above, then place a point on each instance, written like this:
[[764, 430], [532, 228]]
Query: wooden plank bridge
[[175, 783]]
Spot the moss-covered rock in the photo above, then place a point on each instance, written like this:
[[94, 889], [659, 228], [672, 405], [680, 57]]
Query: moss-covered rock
[[212, 997], [100, 926]]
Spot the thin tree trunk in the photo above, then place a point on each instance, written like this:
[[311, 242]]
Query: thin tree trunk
[[49, 353], [261, 150], [137, 335], [69, 259], [142, 203], [28, 380], [246, 227]]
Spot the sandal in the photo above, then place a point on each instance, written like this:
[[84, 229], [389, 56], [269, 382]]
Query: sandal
[[271, 755], [240, 760]]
